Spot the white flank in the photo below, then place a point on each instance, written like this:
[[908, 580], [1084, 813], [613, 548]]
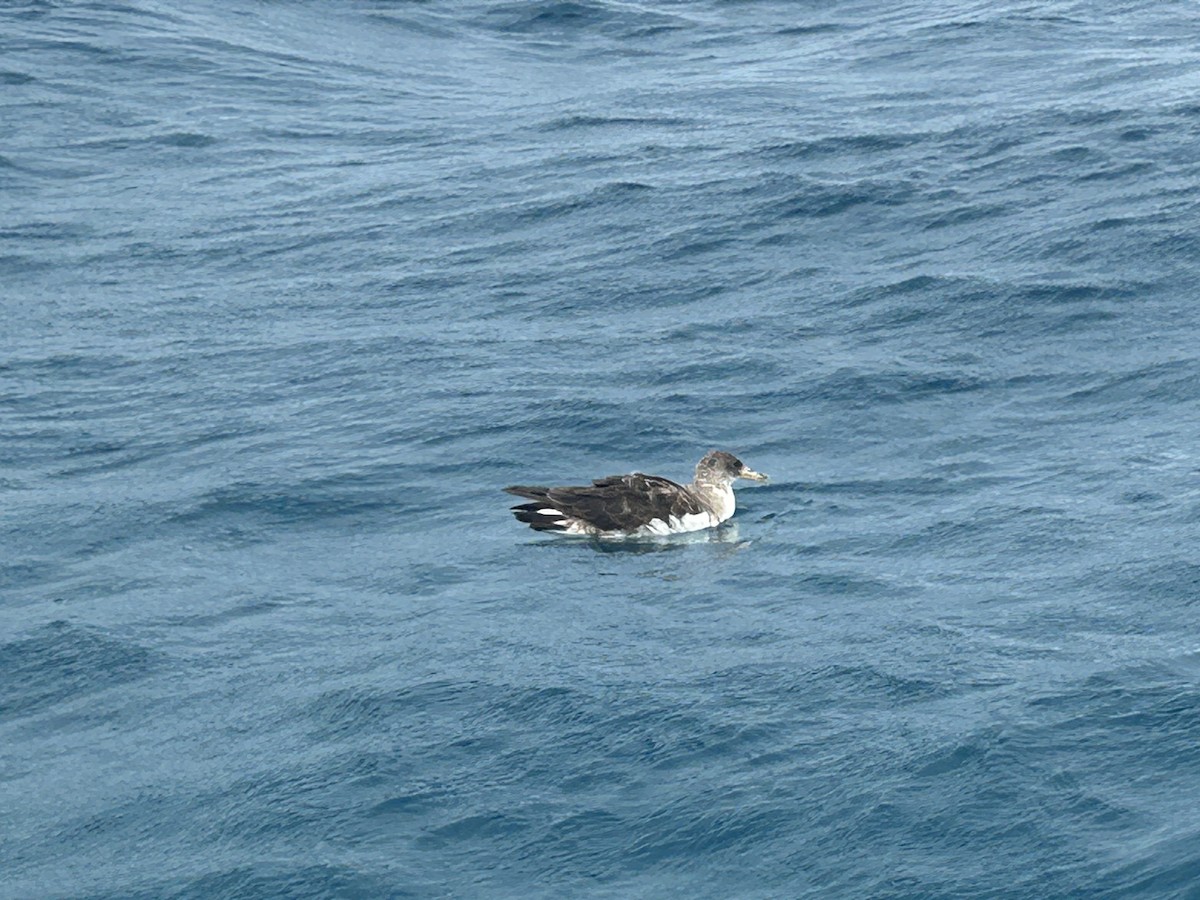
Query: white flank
[[680, 524], [697, 521]]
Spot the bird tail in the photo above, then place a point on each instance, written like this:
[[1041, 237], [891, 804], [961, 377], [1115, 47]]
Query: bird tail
[[541, 515]]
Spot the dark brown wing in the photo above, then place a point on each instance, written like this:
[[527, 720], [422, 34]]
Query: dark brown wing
[[624, 502]]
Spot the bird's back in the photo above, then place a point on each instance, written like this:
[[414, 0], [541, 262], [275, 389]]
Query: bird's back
[[618, 504]]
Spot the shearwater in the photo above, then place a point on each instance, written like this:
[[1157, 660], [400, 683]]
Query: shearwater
[[637, 504]]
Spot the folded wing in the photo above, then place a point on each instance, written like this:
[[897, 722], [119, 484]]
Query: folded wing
[[619, 503]]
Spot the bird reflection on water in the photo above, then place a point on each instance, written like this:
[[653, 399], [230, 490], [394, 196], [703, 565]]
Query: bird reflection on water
[[726, 534]]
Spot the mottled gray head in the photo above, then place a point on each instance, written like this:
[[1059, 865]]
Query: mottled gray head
[[720, 467]]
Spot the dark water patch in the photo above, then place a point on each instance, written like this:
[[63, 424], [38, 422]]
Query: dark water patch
[[73, 365], [1115, 222], [1083, 321], [1149, 498], [815, 689], [411, 19], [17, 573], [485, 827], [815, 28], [425, 579], [586, 121], [241, 609], [553, 15], [578, 19], [818, 201], [680, 248], [308, 502], [619, 193], [60, 663], [1168, 382], [967, 214], [652, 30], [1175, 582], [994, 310], [970, 754], [1118, 172], [708, 825], [1072, 292], [1081, 115], [553, 707], [708, 373], [46, 231], [20, 264], [839, 147], [64, 45], [996, 149], [1137, 135], [186, 139], [855, 389], [93, 456], [345, 711], [691, 332], [915, 284]]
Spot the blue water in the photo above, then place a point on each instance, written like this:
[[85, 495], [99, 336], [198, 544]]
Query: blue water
[[290, 291]]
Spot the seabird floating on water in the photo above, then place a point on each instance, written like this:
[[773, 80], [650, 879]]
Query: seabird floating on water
[[637, 504]]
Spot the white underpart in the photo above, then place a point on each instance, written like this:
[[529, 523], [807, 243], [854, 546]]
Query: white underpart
[[719, 499], [680, 524]]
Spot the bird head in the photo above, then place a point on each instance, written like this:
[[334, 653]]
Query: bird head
[[719, 467]]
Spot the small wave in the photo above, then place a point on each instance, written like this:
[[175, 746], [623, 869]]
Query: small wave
[[186, 139], [311, 502], [839, 147], [61, 662], [567, 17], [42, 231], [585, 121], [473, 827], [853, 389], [547, 15], [179, 139], [817, 200], [805, 30], [1177, 380], [20, 264]]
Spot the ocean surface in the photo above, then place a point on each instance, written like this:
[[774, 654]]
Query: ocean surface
[[290, 291]]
